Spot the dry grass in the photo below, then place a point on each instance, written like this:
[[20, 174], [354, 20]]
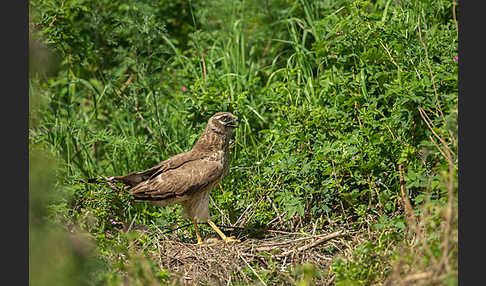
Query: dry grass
[[218, 263]]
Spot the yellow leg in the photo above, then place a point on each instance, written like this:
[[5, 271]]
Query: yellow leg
[[199, 239], [220, 233]]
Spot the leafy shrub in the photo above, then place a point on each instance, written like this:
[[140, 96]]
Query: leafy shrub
[[332, 97]]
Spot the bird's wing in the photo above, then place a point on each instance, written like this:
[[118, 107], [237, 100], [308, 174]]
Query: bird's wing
[[177, 182], [134, 178]]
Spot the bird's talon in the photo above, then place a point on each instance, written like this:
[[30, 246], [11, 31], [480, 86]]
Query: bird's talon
[[231, 239], [210, 241]]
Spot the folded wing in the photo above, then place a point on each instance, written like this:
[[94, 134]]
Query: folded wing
[[134, 178], [182, 181]]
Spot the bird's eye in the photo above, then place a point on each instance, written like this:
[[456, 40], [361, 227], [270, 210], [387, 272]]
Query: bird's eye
[[225, 118]]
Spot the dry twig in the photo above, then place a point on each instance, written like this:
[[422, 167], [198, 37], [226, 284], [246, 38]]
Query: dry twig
[[432, 78], [315, 243]]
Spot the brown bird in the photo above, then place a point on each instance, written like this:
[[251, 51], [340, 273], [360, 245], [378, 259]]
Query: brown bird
[[189, 177]]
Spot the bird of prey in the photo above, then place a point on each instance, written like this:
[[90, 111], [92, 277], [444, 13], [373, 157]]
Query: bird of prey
[[189, 177]]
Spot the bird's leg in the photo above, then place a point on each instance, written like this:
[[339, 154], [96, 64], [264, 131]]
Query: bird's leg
[[223, 236], [199, 239]]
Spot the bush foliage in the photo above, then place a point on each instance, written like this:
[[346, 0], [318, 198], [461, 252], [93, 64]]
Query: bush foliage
[[338, 100]]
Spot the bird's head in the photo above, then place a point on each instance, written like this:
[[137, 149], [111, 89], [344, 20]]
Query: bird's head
[[223, 122]]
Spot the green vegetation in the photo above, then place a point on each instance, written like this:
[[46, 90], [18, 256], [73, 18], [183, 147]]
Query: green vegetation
[[348, 114]]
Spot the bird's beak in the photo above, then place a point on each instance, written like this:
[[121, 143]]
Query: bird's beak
[[232, 123]]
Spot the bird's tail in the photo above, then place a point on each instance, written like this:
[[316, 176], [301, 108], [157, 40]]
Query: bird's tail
[[131, 179], [99, 180]]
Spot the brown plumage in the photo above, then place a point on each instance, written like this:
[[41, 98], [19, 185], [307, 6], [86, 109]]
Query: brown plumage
[[189, 177]]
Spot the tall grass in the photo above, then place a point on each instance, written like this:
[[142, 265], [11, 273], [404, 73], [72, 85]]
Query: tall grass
[[348, 120]]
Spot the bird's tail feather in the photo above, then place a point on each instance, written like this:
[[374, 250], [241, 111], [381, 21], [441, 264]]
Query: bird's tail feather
[[132, 179]]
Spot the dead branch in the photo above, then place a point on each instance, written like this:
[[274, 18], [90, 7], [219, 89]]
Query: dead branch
[[430, 125], [315, 243]]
